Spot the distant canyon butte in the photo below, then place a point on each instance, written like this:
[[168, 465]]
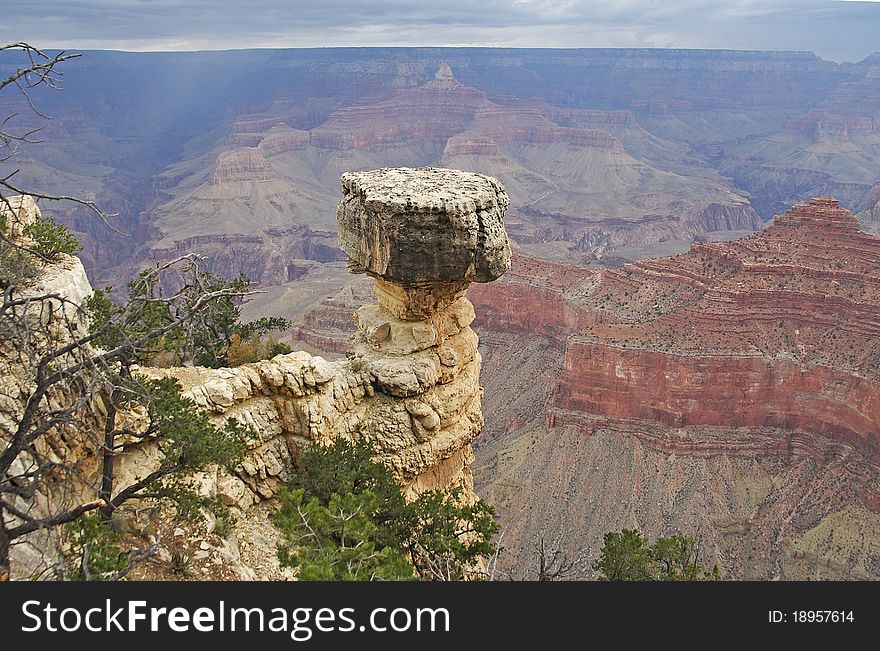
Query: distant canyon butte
[[676, 348]]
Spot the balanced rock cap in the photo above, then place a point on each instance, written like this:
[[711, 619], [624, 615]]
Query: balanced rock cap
[[423, 226]]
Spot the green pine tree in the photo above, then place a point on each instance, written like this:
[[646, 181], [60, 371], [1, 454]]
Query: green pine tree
[[627, 556], [336, 541], [438, 536]]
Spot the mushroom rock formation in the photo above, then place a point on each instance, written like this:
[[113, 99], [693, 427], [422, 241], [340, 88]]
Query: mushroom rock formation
[[424, 235], [411, 382]]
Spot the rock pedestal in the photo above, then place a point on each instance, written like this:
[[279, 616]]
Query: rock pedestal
[[411, 383], [424, 235]]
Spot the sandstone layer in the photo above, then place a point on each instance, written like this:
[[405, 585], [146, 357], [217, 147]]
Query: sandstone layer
[[735, 387]]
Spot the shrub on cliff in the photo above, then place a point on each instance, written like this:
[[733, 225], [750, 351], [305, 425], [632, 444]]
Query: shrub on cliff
[[348, 467], [52, 240], [627, 556], [438, 535], [257, 346], [19, 265], [337, 541], [206, 338]]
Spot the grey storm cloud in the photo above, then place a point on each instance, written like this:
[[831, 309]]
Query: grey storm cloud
[[839, 30]]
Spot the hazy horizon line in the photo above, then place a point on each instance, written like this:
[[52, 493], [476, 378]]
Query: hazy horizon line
[[55, 48]]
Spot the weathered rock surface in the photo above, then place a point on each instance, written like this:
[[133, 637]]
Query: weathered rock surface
[[58, 320], [65, 277], [423, 227], [411, 381]]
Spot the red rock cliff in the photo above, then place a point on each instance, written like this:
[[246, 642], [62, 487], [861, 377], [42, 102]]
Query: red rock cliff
[[779, 329]]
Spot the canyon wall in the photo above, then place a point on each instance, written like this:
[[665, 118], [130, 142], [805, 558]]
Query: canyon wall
[[777, 329], [731, 393], [729, 390]]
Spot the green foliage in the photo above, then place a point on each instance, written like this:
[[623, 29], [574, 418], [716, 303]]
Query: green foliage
[[336, 541], [19, 265], [189, 443], [186, 436], [203, 338], [439, 535], [95, 546], [52, 239], [125, 323], [170, 325], [449, 535], [278, 348], [627, 556], [348, 467], [181, 563], [677, 559], [216, 325]]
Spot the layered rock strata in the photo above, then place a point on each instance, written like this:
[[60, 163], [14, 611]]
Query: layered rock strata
[[730, 392]]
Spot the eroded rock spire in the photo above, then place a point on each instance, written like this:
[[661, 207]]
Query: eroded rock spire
[[411, 382], [424, 235]]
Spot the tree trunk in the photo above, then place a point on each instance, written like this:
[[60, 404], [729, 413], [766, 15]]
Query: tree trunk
[[4, 550], [108, 457]]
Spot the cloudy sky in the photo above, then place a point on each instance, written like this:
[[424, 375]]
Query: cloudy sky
[[841, 30]]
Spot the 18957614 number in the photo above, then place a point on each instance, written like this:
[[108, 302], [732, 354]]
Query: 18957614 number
[[811, 616]]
